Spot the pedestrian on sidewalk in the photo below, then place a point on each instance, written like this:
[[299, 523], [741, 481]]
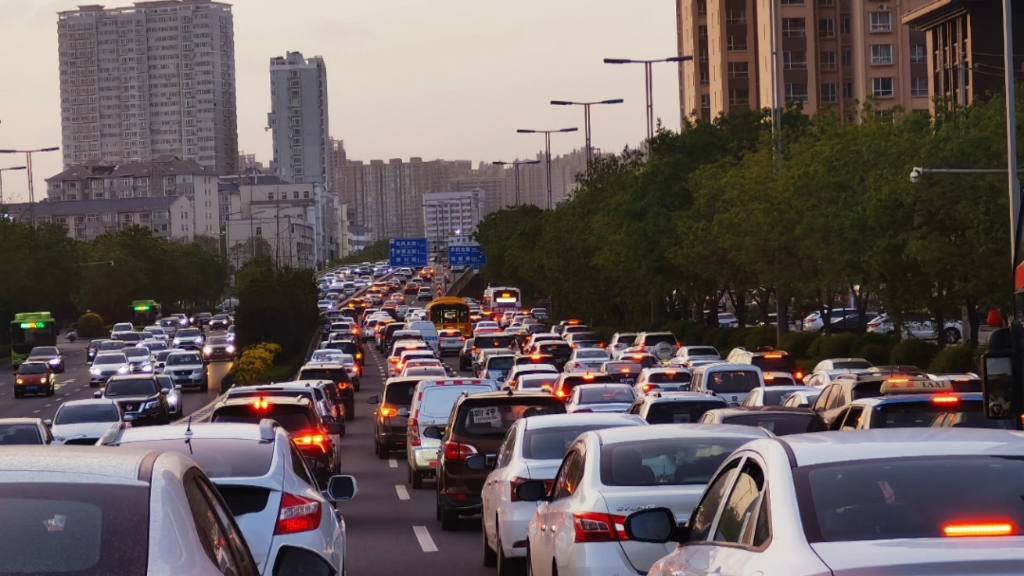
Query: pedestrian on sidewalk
[[995, 319]]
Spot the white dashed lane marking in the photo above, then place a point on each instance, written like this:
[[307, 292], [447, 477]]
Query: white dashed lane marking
[[393, 463], [423, 536], [403, 494]]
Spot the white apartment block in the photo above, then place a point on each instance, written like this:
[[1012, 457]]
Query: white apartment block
[[299, 121], [147, 80], [452, 214]]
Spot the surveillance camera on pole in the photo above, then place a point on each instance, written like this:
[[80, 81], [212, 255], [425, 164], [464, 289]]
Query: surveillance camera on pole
[[915, 175]]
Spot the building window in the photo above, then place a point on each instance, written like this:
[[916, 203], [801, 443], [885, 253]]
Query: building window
[[919, 86], [704, 54], [702, 7], [259, 231], [736, 43], [734, 16], [847, 57], [916, 53], [844, 26], [794, 60], [305, 193], [270, 195], [827, 28], [848, 90], [882, 87], [796, 92], [792, 1], [827, 60], [704, 77], [829, 92], [881, 21], [702, 32], [739, 97], [826, 2], [881, 54], [705, 101], [739, 69], [793, 28]]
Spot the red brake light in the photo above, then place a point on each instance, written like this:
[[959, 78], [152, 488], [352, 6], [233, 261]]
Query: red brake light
[[588, 376], [799, 375], [649, 387], [314, 439], [535, 356], [561, 393], [388, 411], [945, 399], [773, 356], [297, 514], [414, 432], [986, 529], [638, 356], [769, 377], [599, 527], [260, 404], [458, 451]]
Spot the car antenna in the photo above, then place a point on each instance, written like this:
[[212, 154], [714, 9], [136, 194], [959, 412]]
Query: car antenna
[[188, 430]]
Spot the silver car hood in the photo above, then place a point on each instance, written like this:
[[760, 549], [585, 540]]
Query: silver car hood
[[923, 556]]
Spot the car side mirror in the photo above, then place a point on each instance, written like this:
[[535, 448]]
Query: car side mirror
[[481, 462], [432, 432], [97, 394], [334, 428], [403, 412], [47, 423], [373, 400], [655, 526], [342, 488], [177, 386], [164, 391], [532, 491], [299, 561]]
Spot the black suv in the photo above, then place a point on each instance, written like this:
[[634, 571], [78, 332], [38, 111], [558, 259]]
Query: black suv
[[478, 425], [392, 418], [141, 397]]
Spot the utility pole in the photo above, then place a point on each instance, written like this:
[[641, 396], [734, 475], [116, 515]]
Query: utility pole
[[28, 167]]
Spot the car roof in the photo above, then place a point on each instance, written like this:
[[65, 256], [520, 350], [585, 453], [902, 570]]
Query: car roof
[[581, 419], [654, 397], [208, 430], [77, 464], [667, 431], [88, 401], [739, 410], [831, 447], [323, 364], [24, 420]]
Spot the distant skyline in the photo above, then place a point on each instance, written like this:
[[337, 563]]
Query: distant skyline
[[451, 79]]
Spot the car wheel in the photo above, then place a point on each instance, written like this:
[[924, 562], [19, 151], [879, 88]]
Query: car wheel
[[17, 394], [205, 386], [350, 409], [382, 450], [416, 479], [951, 335], [529, 561], [449, 520], [506, 566], [490, 557], [52, 389]]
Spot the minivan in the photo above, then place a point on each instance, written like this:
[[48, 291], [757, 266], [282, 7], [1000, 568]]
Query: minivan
[[732, 382]]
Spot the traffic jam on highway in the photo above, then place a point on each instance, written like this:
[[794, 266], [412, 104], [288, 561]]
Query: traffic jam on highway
[[483, 436]]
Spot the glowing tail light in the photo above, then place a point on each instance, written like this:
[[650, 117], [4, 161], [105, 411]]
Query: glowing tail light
[[260, 404], [799, 375], [982, 529], [458, 451], [315, 439], [599, 527], [945, 400], [387, 411], [414, 432], [561, 393], [649, 387], [297, 514]]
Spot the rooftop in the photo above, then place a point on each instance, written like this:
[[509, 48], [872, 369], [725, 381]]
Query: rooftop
[[74, 208], [164, 165]]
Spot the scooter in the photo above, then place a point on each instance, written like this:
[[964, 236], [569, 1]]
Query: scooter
[[72, 335]]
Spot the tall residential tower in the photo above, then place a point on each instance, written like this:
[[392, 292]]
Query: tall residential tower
[[299, 121]]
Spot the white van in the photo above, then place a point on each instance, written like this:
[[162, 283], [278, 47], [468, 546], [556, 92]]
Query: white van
[[429, 332], [432, 403], [731, 382]]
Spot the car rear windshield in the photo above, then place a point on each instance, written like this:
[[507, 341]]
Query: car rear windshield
[[570, 382], [291, 417], [18, 434], [335, 375], [400, 393], [437, 401], [500, 362], [74, 528], [553, 443], [667, 461], [655, 339], [851, 365], [774, 363], [702, 351], [606, 395], [183, 359], [932, 497], [218, 457], [923, 413], [111, 345], [488, 341], [555, 348], [775, 397], [623, 367], [592, 354], [85, 413], [680, 377], [32, 368], [131, 387], [537, 381], [780, 424], [867, 390], [732, 381], [681, 412], [492, 418]]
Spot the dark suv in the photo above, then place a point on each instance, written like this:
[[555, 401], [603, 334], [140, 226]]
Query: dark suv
[[141, 397], [341, 393], [477, 426], [392, 418]]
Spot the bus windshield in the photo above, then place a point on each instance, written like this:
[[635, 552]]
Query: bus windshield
[[29, 330], [449, 313]]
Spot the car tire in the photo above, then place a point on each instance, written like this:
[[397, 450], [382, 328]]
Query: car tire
[[951, 335], [490, 556], [382, 450], [205, 386], [529, 561], [350, 409], [356, 385], [18, 394], [416, 479], [449, 520]]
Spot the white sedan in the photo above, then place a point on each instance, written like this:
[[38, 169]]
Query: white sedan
[[903, 501], [586, 360], [917, 326], [608, 474], [534, 451]]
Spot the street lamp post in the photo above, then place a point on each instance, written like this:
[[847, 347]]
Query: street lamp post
[[2, 170], [586, 119], [516, 164], [28, 166], [648, 82], [547, 152]]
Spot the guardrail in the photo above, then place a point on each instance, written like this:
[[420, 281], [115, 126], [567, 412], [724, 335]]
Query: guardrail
[[461, 282]]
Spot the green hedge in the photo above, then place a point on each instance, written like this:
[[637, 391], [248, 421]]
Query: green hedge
[[915, 352], [90, 325], [954, 359]]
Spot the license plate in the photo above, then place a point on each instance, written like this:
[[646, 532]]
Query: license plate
[[31, 388], [629, 381]]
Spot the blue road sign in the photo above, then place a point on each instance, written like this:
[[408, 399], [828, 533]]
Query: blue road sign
[[466, 255], [409, 252]]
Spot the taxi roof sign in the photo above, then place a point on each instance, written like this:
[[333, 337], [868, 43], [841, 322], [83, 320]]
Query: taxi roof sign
[[914, 386]]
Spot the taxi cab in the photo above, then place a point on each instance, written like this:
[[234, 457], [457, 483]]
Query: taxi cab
[[907, 403]]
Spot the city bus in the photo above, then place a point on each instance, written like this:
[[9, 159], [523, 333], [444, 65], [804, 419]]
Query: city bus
[[502, 299], [451, 313], [146, 312], [31, 329]]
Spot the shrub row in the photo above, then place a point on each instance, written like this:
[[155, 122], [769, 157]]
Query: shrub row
[[253, 362], [90, 325]]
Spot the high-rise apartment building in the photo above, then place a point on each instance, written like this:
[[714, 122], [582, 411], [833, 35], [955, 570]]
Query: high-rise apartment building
[[447, 214], [148, 80], [820, 53], [299, 120]]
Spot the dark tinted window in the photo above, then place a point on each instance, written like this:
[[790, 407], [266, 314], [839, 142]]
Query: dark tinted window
[[43, 351], [680, 377], [680, 412], [867, 390], [166, 382], [131, 387], [655, 339], [673, 461], [33, 368], [219, 458], [553, 443], [500, 363], [780, 424], [622, 367], [555, 348], [970, 414], [111, 345], [731, 381], [218, 341], [188, 333], [400, 393], [774, 363], [775, 397], [701, 351], [332, 374], [291, 417], [72, 528], [606, 395], [489, 341], [82, 413], [852, 365], [19, 434], [110, 359], [914, 498], [493, 418], [180, 359]]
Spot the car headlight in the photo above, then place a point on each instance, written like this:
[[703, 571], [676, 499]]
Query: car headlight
[[123, 370], [207, 350], [43, 380], [230, 349], [54, 361], [199, 340], [177, 341], [150, 405], [147, 367], [20, 381], [94, 371]]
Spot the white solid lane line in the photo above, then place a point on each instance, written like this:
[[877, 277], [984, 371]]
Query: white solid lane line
[[393, 463], [403, 494], [423, 536]]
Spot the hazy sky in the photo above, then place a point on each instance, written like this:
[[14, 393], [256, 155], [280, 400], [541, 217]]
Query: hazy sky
[[448, 79]]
